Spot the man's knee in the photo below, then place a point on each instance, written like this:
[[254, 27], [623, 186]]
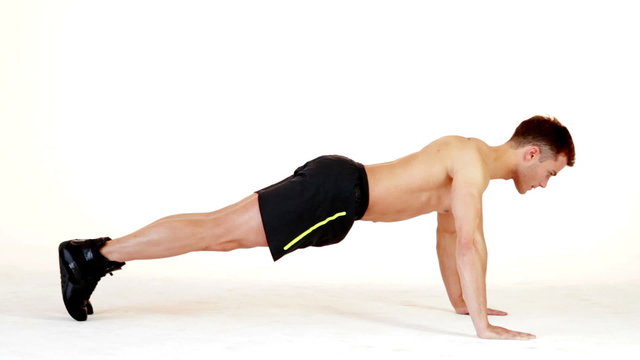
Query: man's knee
[[238, 226]]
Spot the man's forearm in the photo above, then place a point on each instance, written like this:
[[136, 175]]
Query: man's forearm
[[448, 269], [472, 259]]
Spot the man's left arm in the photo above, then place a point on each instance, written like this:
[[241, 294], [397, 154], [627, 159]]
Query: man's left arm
[[446, 248]]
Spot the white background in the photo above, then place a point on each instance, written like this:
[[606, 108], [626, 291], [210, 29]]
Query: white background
[[113, 114]]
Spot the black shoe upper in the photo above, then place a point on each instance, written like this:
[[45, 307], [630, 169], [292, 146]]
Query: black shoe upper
[[81, 267]]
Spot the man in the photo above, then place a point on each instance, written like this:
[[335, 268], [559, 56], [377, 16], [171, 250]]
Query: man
[[319, 203]]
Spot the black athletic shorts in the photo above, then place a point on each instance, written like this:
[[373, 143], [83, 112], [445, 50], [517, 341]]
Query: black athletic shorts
[[316, 206]]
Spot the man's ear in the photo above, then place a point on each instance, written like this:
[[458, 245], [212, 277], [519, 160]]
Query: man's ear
[[531, 152]]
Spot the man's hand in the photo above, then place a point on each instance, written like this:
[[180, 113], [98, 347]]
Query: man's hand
[[464, 311], [497, 332]]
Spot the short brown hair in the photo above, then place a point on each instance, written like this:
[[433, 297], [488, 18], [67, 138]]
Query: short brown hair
[[548, 134]]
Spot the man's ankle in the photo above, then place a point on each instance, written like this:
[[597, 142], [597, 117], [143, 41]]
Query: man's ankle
[[110, 251]]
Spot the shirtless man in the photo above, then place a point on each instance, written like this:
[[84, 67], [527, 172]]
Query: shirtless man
[[319, 203]]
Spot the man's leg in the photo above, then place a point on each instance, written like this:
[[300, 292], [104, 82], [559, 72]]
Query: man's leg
[[84, 263], [238, 226]]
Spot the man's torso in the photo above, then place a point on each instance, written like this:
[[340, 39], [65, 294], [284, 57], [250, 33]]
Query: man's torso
[[418, 183]]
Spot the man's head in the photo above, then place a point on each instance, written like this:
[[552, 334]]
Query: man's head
[[544, 147]]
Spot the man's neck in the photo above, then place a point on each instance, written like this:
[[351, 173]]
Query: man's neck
[[502, 161]]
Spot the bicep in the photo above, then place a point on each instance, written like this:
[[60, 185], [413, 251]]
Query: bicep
[[466, 207], [469, 179], [446, 235]]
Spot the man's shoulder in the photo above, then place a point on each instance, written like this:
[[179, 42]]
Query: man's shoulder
[[466, 158]]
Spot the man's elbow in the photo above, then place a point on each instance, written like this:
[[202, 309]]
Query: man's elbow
[[466, 246]]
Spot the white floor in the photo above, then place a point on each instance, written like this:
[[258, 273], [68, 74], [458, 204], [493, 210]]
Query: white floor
[[187, 307]]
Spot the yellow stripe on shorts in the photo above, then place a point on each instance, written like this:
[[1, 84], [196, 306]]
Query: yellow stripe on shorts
[[308, 231]]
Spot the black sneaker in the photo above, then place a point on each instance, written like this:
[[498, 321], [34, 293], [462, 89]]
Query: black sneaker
[[81, 267]]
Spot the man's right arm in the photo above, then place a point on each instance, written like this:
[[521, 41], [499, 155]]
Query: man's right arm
[[471, 251], [468, 185]]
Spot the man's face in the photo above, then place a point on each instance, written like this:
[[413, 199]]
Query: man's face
[[532, 173]]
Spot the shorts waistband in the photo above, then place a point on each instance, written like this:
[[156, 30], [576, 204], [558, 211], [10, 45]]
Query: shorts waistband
[[361, 192]]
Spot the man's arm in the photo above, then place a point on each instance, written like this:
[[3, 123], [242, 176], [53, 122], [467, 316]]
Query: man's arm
[[468, 184], [446, 248]]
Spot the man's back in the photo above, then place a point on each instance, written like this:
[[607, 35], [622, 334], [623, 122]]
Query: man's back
[[420, 183]]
